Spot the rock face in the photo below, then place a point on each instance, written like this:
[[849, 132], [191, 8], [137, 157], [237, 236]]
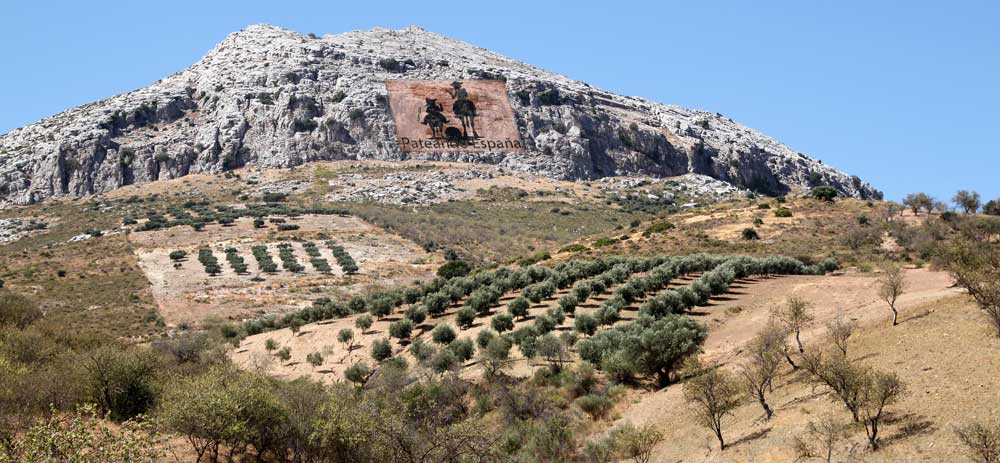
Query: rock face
[[274, 98]]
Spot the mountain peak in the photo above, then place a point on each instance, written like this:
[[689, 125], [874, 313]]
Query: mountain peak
[[267, 96]]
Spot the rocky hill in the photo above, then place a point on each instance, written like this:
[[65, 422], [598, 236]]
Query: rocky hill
[[275, 98]]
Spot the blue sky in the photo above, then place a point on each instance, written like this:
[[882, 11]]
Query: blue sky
[[905, 94]]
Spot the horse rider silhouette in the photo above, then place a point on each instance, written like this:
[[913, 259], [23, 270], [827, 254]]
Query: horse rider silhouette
[[434, 117], [464, 109]]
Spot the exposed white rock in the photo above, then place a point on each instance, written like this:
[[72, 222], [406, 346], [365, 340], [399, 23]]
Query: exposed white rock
[[14, 229], [275, 98]]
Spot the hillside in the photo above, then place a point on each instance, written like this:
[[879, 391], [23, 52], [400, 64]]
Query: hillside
[[224, 299], [268, 97]]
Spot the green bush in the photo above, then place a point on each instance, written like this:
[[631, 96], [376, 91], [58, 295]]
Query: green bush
[[454, 269], [782, 212], [824, 193], [120, 380], [659, 227], [16, 310]]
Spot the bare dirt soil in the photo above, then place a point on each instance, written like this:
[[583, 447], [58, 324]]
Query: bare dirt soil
[[186, 294], [942, 349]]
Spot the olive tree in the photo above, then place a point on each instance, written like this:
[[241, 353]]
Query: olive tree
[[839, 330], [795, 314], [363, 323], [502, 322], [891, 283], [443, 334], [645, 346], [401, 329], [713, 394], [519, 307], [761, 367], [967, 200]]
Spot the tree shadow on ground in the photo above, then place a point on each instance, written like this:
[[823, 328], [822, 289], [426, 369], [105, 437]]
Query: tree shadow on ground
[[759, 434], [910, 424]]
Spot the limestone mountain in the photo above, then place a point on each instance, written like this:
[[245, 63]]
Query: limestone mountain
[[269, 97]]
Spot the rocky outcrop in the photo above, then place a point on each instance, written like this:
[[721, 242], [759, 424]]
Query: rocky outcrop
[[275, 98]]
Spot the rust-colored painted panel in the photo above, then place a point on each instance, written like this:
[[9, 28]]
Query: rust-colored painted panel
[[429, 116]]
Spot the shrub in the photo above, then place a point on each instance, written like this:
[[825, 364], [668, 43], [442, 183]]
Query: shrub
[[824, 193], [659, 227], [782, 212], [454, 269], [120, 381], [603, 242], [595, 405], [17, 311], [750, 234], [287, 227], [82, 437], [574, 248], [177, 255], [982, 441], [637, 443]]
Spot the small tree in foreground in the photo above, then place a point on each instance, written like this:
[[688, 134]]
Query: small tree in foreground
[[713, 394], [839, 331], [761, 367], [982, 441], [877, 391], [821, 439], [891, 283], [796, 314], [976, 267]]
